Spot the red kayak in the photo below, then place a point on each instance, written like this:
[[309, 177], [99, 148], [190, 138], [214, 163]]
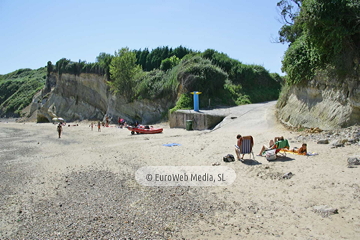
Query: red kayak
[[144, 129]]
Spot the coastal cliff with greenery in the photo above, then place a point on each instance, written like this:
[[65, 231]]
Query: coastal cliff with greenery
[[322, 63], [144, 85], [321, 86]]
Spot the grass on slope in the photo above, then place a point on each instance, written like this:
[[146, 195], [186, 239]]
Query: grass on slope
[[18, 88]]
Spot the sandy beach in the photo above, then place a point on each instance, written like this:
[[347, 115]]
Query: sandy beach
[[83, 184]]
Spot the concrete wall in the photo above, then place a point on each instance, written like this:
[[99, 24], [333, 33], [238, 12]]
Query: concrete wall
[[201, 121]]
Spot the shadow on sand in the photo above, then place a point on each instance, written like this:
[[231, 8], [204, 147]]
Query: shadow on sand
[[250, 162], [282, 159]]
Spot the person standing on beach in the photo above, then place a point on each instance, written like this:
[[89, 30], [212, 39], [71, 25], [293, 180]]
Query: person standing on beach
[[107, 121], [59, 129], [99, 126], [92, 126]]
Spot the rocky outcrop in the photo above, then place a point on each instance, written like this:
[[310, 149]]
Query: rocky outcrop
[[323, 102], [88, 96]]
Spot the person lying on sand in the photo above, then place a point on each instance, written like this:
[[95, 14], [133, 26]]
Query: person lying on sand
[[301, 151]]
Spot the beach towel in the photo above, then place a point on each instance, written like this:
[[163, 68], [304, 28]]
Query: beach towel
[[282, 144], [171, 144], [311, 154], [303, 154]]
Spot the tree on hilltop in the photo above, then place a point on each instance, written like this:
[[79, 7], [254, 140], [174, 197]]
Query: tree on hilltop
[[321, 34], [123, 73]]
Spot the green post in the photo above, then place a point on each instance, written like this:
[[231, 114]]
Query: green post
[[189, 125]]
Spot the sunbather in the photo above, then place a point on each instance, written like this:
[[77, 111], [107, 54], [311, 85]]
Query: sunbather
[[301, 151], [238, 144], [281, 143], [264, 148], [244, 146]]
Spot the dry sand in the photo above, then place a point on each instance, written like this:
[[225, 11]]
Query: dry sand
[[83, 185]]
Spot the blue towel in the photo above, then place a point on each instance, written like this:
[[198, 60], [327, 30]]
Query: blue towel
[[171, 144], [311, 154]]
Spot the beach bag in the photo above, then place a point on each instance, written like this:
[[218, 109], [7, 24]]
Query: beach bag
[[229, 158], [270, 154]]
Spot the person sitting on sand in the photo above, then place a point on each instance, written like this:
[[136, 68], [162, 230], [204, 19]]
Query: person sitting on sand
[[280, 143], [265, 148], [59, 129], [237, 149], [247, 141]]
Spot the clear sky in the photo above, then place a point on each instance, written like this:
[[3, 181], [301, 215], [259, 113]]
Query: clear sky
[[34, 32]]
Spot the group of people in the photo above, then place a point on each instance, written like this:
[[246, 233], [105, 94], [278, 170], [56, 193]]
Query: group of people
[[98, 126], [279, 143], [121, 123]]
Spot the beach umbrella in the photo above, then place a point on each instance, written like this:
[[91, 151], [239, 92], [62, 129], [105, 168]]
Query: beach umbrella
[[60, 119], [55, 119]]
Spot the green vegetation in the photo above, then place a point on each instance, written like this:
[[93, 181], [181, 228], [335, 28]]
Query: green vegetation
[[322, 35], [163, 73], [167, 73], [184, 102], [153, 60], [123, 71], [18, 88]]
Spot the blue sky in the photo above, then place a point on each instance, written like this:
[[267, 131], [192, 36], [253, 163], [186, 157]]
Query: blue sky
[[34, 32]]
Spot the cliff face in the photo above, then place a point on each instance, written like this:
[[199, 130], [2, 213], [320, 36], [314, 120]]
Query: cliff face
[[88, 97], [324, 102]]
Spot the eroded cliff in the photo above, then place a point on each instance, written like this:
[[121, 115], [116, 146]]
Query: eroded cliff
[[88, 96], [324, 102]]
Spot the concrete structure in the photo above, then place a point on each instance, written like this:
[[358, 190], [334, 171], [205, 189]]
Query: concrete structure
[[201, 120]]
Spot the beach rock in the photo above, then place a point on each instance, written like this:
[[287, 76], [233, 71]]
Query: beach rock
[[337, 143], [337, 137], [288, 175], [353, 161], [315, 130], [323, 141], [325, 210]]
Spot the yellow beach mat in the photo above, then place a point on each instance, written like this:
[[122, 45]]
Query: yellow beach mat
[[303, 154]]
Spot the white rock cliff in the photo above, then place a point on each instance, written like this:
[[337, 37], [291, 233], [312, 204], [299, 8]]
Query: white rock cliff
[[323, 102], [88, 96]]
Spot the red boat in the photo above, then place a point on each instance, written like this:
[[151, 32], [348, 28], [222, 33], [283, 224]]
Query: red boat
[[144, 129]]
